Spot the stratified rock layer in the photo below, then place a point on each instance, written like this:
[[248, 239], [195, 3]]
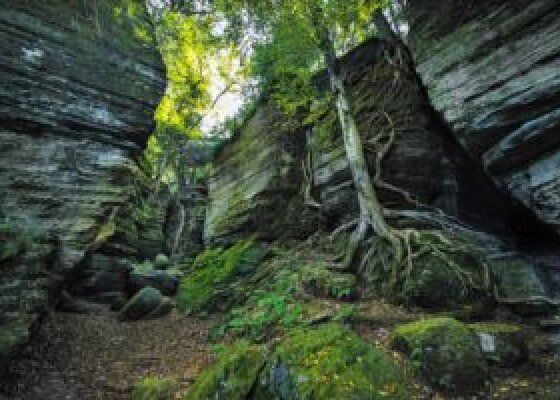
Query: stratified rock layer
[[492, 69], [261, 176], [78, 88]]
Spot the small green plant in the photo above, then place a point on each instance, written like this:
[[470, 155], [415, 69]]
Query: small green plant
[[154, 388], [262, 313]]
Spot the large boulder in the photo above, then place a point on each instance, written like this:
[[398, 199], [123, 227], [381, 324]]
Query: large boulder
[[502, 344], [100, 274], [148, 303], [446, 352], [161, 280], [80, 82], [328, 362]]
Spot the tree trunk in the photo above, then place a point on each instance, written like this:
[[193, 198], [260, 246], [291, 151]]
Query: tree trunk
[[371, 210]]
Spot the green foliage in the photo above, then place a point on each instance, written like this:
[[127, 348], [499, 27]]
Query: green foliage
[[319, 280], [330, 362], [262, 313], [233, 376], [213, 270], [153, 388], [291, 37]]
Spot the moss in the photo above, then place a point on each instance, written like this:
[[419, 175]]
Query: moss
[[153, 388], [495, 327], [213, 269], [445, 350], [330, 362], [320, 281], [233, 376]]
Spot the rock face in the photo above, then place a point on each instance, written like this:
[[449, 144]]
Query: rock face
[[492, 69], [80, 82], [256, 183], [262, 174]]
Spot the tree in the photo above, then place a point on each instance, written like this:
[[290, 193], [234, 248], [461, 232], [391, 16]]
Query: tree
[[294, 40], [315, 29]]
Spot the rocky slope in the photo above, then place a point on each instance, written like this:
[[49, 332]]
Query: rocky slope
[[79, 85], [492, 69]]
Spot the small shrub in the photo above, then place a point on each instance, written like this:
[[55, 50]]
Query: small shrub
[[153, 388]]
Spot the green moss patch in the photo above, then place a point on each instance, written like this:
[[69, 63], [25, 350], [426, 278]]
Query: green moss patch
[[213, 270], [153, 388], [330, 362], [321, 282], [446, 352], [233, 376]]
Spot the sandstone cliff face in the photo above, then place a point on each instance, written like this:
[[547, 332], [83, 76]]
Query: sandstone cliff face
[[78, 87], [261, 176], [256, 183], [492, 69]]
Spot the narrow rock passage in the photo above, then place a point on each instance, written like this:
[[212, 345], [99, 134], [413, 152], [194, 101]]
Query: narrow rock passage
[[91, 357]]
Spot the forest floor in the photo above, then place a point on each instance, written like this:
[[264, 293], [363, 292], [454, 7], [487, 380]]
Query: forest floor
[[95, 357]]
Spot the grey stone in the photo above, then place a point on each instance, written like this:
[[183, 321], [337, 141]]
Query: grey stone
[[77, 95], [161, 280], [146, 304]]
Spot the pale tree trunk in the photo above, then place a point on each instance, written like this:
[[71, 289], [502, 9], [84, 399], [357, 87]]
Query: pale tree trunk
[[371, 210], [181, 215]]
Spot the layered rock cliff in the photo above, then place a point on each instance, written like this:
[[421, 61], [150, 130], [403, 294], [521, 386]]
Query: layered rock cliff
[[261, 177], [80, 82], [492, 69], [267, 177]]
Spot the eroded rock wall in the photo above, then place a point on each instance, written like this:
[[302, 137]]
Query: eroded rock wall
[[78, 88], [261, 176], [492, 69]]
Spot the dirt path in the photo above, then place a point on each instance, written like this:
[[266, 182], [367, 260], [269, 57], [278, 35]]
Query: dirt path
[[96, 357]]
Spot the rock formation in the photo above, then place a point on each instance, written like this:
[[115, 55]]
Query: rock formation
[[80, 82], [492, 69]]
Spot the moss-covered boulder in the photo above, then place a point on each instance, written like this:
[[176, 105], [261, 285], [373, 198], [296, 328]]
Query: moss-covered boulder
[[502, 344], [148, 303], [322, 282], [153, 388], [434, 284], [329, 362], [233, 376], [213, 270], [445, 350]]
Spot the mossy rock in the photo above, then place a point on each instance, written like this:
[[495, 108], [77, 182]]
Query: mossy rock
[[433, 284], [330, 362], [502, 344], [446, 352], [321, 282], [148, 303], [213, 270], [233, 376], [153, 388]]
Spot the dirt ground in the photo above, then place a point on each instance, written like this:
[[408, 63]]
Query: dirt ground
[[95, 357]]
